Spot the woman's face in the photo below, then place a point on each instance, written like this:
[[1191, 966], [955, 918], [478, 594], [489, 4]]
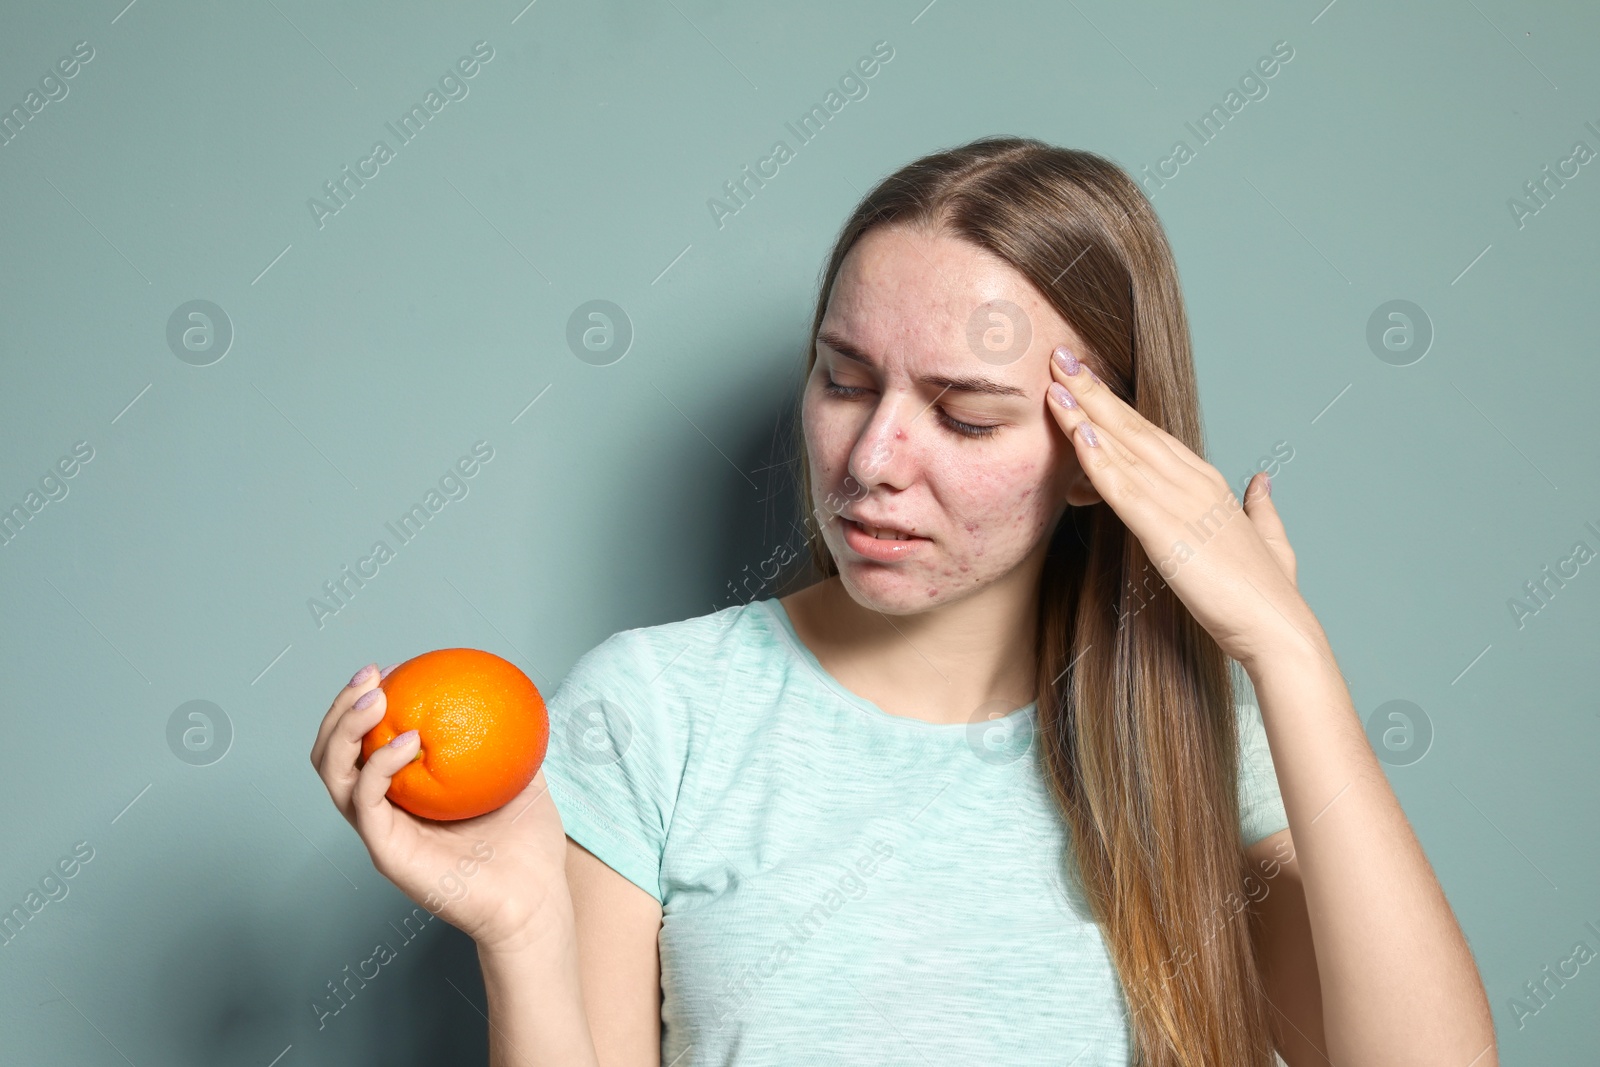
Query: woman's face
[[939, 426]]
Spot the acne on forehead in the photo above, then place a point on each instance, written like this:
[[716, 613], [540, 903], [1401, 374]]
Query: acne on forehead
[[920, 274], [908, 290]]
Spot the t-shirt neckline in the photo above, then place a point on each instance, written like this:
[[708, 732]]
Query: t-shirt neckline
[[791, 638]]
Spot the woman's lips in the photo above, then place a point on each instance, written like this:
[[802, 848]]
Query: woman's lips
[[881, 550]]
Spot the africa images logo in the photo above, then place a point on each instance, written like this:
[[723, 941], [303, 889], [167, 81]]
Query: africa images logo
[[452, 86], [852, 86], [1252, 86]]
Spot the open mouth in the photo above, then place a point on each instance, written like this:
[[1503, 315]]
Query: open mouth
[[877, 543], [883, 533]]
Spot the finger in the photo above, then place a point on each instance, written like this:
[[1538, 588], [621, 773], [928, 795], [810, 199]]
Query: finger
[[363, 680], [1154, 446], [1073, 419], [1109, 467], [1111, 413], [338, 769], [1264, 515], [375, 818], [1182, 451]]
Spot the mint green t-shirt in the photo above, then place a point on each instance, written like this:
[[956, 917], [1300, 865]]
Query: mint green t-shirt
[[839, 885]]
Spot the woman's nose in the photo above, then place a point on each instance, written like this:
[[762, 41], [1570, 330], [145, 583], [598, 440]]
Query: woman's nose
[[881, 452]]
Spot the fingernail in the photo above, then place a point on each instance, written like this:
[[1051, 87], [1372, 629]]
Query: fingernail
[[360, 677], [385, 672], [367, 698], [1062, 395], [1269, 485], [402, 740], [1088, 435], [1067, 360]]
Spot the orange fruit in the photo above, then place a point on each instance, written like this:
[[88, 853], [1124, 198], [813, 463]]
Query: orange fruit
[[483, 728]]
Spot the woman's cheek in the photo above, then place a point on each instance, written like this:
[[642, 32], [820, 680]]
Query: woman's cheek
[[820, 448], [828, 435], [1005, 510]]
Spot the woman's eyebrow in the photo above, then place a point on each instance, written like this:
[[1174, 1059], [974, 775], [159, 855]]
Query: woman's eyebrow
[[964, 385]]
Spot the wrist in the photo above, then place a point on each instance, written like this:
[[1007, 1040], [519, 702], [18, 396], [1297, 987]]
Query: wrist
[[550, 933], [1293, 641], [534, 989]]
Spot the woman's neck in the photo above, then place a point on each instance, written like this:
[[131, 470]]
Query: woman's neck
[[959, 662]]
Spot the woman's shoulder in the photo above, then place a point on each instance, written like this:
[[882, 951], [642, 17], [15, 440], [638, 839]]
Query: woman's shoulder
[[713, 629], [659, 707], [673, 662]]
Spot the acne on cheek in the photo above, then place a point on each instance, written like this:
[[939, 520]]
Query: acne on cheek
[[1007, 526], [1012, 538], [1021, 515], [1003, 502]]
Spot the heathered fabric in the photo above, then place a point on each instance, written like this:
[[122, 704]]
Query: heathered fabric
[[839, 885]]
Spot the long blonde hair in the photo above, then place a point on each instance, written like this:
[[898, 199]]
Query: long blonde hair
[[1136, 724]]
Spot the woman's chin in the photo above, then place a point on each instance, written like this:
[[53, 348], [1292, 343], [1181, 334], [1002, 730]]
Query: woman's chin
[[890, 589]]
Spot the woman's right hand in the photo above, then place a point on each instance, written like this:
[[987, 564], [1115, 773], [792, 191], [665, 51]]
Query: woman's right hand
[[500, 877]]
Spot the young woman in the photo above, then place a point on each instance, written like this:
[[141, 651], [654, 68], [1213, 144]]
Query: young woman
[[985, 792]]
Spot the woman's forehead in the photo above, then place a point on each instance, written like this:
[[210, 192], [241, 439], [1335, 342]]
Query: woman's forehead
[[916, 294]]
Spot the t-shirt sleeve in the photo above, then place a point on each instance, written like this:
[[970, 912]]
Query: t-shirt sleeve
[[615, 758], [1260, 802]]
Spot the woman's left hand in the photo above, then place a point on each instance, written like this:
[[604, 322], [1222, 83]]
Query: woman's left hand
[[1231, 565]]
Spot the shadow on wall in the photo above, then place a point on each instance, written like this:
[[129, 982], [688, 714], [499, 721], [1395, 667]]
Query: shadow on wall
[[255, 992], [760, 546], [236, 1001], [321, 978], [699, 507], [440, 1014]]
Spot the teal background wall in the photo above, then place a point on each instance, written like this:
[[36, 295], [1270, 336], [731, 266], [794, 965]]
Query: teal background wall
[[218, 486]]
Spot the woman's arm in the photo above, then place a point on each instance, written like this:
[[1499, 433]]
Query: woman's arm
[[1286, 956], [536, 1012], [584, 992], [1398, 983], [519, 909], [618, 924]]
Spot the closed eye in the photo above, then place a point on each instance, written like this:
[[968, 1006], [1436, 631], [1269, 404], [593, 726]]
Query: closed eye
[[965, 429]]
